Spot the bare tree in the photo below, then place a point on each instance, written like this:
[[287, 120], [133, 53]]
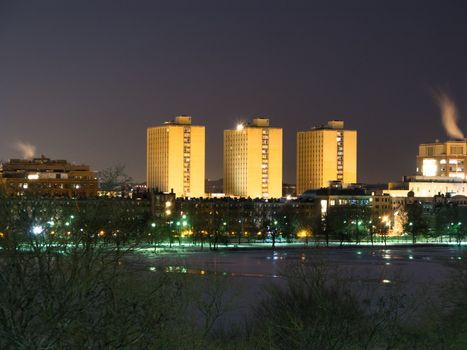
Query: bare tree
[[114, 178]]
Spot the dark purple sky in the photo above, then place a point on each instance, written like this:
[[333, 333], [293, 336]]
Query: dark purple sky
[[82, 80]]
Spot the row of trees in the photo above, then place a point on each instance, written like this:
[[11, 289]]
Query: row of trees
[[244, 222], [123, 221], [440, 221], [343, 224]]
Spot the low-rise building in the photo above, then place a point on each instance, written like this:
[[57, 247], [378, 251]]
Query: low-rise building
[[445, 159], [427, 186], [46, 177]]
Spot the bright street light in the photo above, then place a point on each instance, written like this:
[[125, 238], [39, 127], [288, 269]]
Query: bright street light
[[37, 229]]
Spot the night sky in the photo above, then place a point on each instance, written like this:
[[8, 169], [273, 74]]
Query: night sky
[[81, 80]]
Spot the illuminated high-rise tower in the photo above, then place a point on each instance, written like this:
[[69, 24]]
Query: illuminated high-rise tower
[[253, 160], [175, 157], [324, 154]]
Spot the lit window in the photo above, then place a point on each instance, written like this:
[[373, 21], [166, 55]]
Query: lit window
[[429, 167]]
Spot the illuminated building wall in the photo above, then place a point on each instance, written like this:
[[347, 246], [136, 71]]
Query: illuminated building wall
[[47, 177], [253, 160], [443, 159], [175, 158], [427, 187], [324, 154]]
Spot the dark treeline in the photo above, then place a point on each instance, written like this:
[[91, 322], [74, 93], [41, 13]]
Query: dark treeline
[[218, 223]]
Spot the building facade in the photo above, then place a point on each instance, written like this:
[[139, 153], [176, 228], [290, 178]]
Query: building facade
[[176, 158], [440, 171], [253, 160], [427, 186], [445, 159], [324, 154], [47, 177]]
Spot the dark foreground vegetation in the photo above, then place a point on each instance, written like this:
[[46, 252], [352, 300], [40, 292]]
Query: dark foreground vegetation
[[71, 295], [65, 284]]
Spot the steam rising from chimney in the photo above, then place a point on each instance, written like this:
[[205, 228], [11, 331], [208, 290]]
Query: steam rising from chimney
[[27, 150], [449, 115]]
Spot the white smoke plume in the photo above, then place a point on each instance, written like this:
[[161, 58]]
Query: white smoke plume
[[449, 115], [27, 150]]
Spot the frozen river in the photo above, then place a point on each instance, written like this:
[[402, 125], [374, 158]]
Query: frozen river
[[246, 273], [422, 264]]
